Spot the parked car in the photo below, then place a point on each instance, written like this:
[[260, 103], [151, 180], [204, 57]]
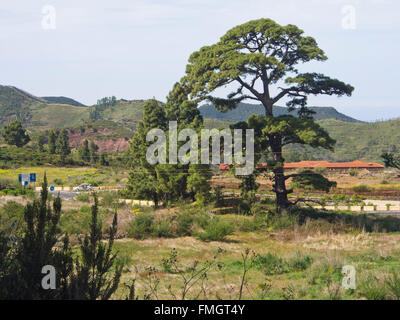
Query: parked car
[[84, 187]]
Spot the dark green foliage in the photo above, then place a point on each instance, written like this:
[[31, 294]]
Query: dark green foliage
[[52, 137], [11, 156], [24, 254], [259, 57], [309, 180], [14, 134], [84, 152], [216, 229], [11, 219], [36, 249], [92, 280], [393, 284], [141, 226], [96, 112], [391, 160], [272, 264], [62, 145], [93, 152], [103, 160], [166, 182], [185, 222]]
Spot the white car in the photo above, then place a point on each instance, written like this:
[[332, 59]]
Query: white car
[[84, 187]]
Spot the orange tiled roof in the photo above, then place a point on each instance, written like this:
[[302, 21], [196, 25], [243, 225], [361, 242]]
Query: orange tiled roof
[[326, 164], [316, 164]]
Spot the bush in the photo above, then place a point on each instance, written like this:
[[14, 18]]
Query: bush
[[109, 198], [18, 192], [162, 229], [300, 262], [271, 264], [249, 225], [320, 170], [216, 230], [244, 207], [11, 219], [353, 172], [141, 226], [362, 188], [373, 289], [184, 224], [393, 284], [282, 221], [83, 197]]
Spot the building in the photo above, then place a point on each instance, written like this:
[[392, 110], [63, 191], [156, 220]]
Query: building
[[338, 167]]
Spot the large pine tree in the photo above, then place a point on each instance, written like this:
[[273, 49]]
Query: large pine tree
[[259, 61]]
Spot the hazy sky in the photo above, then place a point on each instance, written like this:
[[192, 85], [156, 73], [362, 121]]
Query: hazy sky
[[138, 49]]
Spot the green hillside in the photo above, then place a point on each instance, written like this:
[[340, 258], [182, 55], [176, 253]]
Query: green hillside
[[244, 110], [60, 112], [63, 100], [355, 139], [16, 104], [362, 141]]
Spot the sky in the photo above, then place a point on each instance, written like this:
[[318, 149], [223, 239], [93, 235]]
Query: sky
[[138, 49]]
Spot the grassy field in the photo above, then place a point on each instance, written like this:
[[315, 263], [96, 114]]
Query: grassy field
[[192, 252], [78, 175]]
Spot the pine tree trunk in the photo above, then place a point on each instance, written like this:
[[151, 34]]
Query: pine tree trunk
[[279, 185]]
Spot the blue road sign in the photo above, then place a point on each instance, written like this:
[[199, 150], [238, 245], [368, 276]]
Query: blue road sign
[[26, 183], [23, 177], [51, 188], [32, 177]]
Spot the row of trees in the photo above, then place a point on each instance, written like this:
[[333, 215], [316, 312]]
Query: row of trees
[[57, 143], [14, 134], [95, 112], [167, 182], [89, 153]]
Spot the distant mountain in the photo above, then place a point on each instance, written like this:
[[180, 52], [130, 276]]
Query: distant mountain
[[16, 104], [63, 100], [244, 110]]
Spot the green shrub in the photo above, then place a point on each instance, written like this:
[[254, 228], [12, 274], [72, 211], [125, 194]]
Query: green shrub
[[271, 264], [11, 219], [353, 172], [244, 207], [18, 192], [162, 229], [216, 230], [109, 198], [362, 188], [141, 226], [300, 262], [393, 284], [320, 170], [373, 289], [184, 224], [58, 181], [83, 197], [78, 222], [282, 221]]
